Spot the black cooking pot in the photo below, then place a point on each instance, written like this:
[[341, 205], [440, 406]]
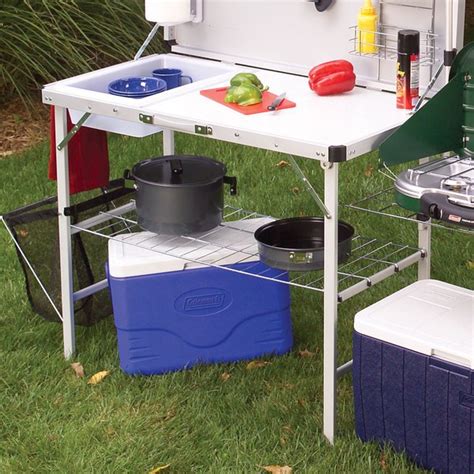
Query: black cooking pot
[[180, 194]]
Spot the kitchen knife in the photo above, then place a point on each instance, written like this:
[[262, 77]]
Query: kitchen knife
[[277, 102]]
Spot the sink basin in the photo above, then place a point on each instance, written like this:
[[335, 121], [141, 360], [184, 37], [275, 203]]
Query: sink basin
[[94, 86]]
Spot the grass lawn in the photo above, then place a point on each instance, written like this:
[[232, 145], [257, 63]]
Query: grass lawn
[[52, 421]]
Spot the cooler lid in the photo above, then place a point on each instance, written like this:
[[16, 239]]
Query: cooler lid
[[130, 254], [293, 36], [430, 317]]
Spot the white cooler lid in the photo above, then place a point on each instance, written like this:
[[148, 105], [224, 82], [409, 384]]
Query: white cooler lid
[[429, 316], [130, 254]]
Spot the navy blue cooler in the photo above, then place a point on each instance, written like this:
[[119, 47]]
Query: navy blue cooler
[[413, 376], [171, 314]]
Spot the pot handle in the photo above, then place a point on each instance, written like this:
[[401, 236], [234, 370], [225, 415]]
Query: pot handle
[[438, 206], [232, 180], [127, 174], [176, 167]]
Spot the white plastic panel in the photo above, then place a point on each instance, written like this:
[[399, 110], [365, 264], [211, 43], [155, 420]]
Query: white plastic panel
[[430, 317], [291, 36]]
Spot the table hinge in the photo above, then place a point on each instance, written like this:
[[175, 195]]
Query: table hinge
[[203, 130], [146, 118]]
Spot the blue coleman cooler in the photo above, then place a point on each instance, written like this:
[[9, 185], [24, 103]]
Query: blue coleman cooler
[[171, 314], [413, 374]]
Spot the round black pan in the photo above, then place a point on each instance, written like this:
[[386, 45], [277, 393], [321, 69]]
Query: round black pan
[[297, 243]]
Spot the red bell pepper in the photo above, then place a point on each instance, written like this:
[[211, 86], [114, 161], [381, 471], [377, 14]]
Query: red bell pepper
[[333, 77]]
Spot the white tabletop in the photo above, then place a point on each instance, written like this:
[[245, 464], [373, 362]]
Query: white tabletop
[[360, 119]]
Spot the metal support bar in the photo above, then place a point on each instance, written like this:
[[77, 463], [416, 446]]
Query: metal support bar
[[424, 242], [310, 188], [380, 276], [73, 131], [428, 88], [147, 41], [65, 243], [449, 33], [90, 290], [331, 187], [344, 368], [103, 217], [168, 142]]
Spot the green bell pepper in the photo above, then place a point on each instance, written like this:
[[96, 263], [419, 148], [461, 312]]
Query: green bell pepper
[[247, 78], [244, 94]]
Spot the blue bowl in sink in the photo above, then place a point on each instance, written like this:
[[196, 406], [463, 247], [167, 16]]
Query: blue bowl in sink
[[137, 87]]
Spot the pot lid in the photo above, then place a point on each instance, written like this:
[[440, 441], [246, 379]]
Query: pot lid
[[176, 170]]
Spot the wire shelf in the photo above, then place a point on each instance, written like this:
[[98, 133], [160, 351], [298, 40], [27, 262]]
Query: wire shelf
[[383, 44], [233, 243], [383, 203]]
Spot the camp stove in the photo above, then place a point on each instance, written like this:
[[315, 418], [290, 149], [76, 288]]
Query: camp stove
[[442, 189]]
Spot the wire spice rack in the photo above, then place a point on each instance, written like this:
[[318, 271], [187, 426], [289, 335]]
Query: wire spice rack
[[371, 262], [385, 44]]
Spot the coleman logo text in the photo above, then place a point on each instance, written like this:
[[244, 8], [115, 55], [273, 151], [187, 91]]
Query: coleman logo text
[[203, 302]]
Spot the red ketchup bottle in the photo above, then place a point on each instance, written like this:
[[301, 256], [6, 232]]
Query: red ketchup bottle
[[408, 69]]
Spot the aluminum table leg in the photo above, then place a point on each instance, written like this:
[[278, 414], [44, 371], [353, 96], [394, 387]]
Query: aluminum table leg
[[168, 141], [424, 242], [330, 300], [65, 243]]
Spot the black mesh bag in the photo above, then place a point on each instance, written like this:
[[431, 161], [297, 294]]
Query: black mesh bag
[[35, 230]]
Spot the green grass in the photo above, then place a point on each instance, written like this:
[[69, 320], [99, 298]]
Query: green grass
[[36, 37], [54, 422]]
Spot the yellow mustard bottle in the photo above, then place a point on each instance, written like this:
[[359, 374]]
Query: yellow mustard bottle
[[366, 42]]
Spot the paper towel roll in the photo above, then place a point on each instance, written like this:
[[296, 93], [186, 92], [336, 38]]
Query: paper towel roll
[[168, 12]]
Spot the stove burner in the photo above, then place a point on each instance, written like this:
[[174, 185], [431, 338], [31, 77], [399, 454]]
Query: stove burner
[[456, 184]]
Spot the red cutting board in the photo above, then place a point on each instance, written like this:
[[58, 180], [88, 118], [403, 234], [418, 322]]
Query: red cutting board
[[218, 96]]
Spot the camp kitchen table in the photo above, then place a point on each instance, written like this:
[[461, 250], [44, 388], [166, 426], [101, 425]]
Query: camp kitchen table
[[279, 41]]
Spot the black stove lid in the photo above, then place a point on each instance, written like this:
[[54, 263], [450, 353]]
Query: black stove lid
[[179, 170]]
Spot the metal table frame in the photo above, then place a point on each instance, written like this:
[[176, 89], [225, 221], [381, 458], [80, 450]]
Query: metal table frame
[[331, 201]]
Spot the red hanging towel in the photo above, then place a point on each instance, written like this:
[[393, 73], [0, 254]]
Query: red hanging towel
[[88, 158]]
